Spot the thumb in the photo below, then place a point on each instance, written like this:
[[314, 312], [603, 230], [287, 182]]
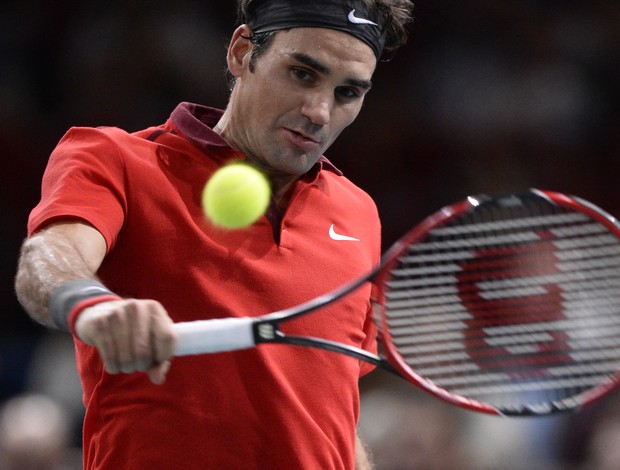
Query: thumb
[[157, 373]]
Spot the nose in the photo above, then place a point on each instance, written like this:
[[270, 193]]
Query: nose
[[317, 108]]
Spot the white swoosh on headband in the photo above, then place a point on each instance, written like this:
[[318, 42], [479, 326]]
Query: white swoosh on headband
[[355, 20]]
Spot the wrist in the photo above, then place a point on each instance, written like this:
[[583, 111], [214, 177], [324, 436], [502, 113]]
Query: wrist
[[70, 298]]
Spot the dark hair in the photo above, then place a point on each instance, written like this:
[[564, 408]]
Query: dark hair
[[397, 14]]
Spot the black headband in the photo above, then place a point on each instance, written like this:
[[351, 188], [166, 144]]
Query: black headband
[[351, 17]]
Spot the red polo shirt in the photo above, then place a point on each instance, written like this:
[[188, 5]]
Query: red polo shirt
[[270, 407]]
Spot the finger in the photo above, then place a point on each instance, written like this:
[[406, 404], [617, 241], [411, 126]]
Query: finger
[[164, 341], [121, 323], [151, 338], [136, 351], [164, 337], [94, 326], [106, 346], [141, 348], [157, 374]]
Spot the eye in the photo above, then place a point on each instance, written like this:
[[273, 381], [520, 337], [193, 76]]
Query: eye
[[302, 74], [348, 93]]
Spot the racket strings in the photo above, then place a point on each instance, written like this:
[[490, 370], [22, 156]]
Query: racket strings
[[515, 308]]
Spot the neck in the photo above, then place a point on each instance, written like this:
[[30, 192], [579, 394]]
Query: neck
[[281, 184], [282, 192]]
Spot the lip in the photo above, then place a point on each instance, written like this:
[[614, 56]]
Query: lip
[[301, 140]]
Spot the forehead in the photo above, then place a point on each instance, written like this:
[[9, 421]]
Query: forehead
[[327, 45]]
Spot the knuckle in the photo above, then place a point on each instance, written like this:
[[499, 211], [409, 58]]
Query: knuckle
[[167, 340], [128, 367]]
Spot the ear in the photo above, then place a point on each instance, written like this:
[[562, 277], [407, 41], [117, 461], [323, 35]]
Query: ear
[[239, 50]]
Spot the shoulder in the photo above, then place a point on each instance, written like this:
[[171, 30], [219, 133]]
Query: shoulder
[[107, 144], [112, 136], [347, 192], [85, 141]]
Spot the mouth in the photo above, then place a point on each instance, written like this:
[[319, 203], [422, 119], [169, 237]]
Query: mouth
[[302, 140]]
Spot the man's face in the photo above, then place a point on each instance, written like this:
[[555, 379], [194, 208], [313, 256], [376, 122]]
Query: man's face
[[305, 89]]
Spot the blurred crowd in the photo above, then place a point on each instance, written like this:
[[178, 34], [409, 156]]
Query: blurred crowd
[[488, 96]]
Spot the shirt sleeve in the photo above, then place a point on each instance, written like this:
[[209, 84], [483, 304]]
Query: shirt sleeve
[[84, 179]]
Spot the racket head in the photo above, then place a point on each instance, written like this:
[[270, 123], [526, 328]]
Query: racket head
[[506, 305]]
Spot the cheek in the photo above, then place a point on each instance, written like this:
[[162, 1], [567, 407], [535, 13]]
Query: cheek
[[345, 117], [270, 100]]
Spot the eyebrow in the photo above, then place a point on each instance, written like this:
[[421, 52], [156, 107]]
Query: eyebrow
[[321, 68]]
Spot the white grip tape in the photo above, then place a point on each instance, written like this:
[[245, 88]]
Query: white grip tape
[[217, 335]]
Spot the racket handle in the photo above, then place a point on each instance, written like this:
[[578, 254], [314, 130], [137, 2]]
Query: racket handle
[[211, 336]]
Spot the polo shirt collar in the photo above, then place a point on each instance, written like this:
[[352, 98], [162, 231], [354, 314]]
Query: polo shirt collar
[[196, 122]]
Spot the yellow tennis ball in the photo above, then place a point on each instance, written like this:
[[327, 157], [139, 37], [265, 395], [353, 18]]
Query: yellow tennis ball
[[235, 196]]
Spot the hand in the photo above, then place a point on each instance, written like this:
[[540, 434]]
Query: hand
[[131, 335]]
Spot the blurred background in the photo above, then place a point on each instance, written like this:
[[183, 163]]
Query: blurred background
[[487, 96]]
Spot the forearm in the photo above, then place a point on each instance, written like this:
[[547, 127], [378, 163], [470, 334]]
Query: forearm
[[47, 260], [130, 335]]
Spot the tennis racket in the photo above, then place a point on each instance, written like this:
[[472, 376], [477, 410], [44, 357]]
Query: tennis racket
[[507, 305]]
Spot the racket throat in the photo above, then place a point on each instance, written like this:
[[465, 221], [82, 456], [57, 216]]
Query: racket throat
[[268, 332]]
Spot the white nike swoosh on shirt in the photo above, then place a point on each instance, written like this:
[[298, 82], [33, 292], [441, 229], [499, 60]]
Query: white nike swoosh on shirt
[[355, 20], [336, 236]]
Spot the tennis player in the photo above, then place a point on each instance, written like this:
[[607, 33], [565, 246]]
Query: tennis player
[[118, 249]]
